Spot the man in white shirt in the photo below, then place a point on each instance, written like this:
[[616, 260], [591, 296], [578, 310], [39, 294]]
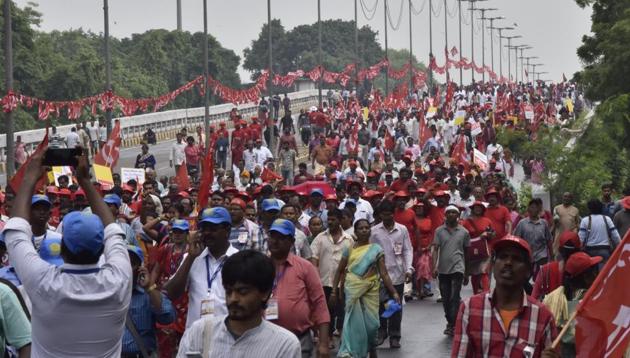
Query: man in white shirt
[[262, 153], [364, 208], [250, 157], [200, 272], [178, 155], [94, 135], [72, 138], [79, 308]]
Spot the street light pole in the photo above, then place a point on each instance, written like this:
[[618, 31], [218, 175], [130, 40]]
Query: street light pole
[[492, 38], [472, 36], [356, 48], [483, 40], [108, 65], [319, 50], [271, 123], [179, 15], [446, 39], [8, 76], [206, 76], [430, 44], [410, 52], [461, 72], [501, 37], [526, 47], [386, 52]]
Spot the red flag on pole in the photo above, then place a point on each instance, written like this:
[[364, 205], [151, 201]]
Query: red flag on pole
[[19, 176], [603, 316], [459, 150], [183, 183], [207, 177], [109, 153], [389, 141]]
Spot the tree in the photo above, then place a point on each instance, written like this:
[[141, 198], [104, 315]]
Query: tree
[[298, 48]]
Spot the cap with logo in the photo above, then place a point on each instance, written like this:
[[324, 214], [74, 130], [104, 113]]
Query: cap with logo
[[217, 215], [50, 251], [283, 226], [180, 224]]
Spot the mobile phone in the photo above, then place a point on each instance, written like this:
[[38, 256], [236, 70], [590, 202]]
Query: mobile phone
[[60, 157]]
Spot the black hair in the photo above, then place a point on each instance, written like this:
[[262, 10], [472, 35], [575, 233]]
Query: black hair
[[347, 213], [313, 218], [336, 213], [595, 207], [386, 206], [356, 223], [290, 206], [302, 165], [251, 268], [573, 283], [80, 258], [567, 251]]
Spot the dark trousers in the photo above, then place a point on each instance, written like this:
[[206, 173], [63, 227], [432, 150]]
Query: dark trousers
[[222, 160], [450, 288], [390, 327], [337, 312]]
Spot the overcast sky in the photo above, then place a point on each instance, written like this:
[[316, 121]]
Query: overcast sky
[[553, 28]]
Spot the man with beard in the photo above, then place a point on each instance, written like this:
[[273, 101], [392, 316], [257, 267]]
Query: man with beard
[[505, 322], [199, 273], [40, 214], [248, 278]]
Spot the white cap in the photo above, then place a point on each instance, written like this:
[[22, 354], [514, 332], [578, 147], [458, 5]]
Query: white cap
[[451, 208]]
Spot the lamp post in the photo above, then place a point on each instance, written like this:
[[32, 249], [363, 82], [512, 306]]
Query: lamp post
[[319, 50], [523, 63], [509, 46], [527, 69], [500, 29], [206, 99], [492, 19], [386, 51], [472, 35], [483, 39], [8, 74], [516, 48], [108, 65]]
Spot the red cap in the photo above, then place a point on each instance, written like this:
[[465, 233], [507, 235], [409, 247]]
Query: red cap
[[580, 262], [222, 124], [401, 194], [372, 193], [243, 195], [65, 192], [570, 238], [492, 191], [332, 176], [183, 194], [230, 189], [239, 202], [514, 241], [254, 119], [333, 164], [330, 197], [406, 158], [52, 189], [421, 191], [127, 187], [478, 203], [418, 203], [80, 192], [418, 171], [625, 202], [441, 193], [352, 162], [371, 174]]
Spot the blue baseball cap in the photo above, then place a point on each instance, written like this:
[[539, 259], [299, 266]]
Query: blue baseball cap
[[283, 226], [216, 215], [50, 251], [270, 204], [391, 307], [136, 251], [317, 191], [180, 224], [112, 199], [82, 232], [40, 198]]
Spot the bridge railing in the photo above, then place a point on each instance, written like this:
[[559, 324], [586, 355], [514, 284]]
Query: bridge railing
[[164, 124]]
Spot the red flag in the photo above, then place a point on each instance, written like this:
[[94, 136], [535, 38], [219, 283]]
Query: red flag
[[109, 153], [19, 176], [425, 131], [603, 316], [183, 183], [207, 177], [459, 150]]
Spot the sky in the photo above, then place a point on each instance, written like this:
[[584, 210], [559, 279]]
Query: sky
[[553, 28]]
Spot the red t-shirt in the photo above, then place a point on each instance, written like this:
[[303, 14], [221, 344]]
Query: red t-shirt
[[437, 216], [406, 217], [476, 226], [499, 216], [399, 184], [424, 233]]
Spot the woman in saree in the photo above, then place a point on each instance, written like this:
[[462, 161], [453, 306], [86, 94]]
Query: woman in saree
[[360, 271]]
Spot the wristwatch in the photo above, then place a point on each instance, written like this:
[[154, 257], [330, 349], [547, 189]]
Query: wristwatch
[[151, 288]]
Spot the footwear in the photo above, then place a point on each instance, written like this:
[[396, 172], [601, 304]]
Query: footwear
[[394, 343], [450, 332], [446, 330], [439, 300], [380, 339]]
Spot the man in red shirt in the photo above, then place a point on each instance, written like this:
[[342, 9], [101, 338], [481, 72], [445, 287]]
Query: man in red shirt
[[403, 182], [505, 322], [222, 132], [255, 130], [437, 212], [498, 214], [297, 296], [238, 143], [402, 215]]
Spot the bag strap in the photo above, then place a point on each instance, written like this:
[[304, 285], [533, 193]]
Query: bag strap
[[136, 336], [588, 231], [610, 242], [207, 336], [472, 222]]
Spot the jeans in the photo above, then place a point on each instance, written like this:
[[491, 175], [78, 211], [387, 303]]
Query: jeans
[[603, 251], [222, 159], [450, 288], [390, 326], [337, 312], [288, 176]]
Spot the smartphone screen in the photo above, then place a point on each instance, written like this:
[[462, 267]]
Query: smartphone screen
[[60, 157]]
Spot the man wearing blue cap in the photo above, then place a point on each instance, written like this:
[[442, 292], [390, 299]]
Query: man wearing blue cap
[[200, 271], [297, 300], [90, 301], [315, 206], [148, 306], [270, 211], [40, 214], [114, 202]]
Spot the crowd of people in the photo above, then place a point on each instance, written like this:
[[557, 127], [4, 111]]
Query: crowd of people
[[296, 256]]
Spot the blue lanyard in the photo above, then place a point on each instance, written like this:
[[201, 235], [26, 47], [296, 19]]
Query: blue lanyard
[[278, 278], [216, 272]]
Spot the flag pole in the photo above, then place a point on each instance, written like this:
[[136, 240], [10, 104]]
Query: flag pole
[[564, 330]]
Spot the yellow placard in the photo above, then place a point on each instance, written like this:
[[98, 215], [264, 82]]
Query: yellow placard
[[103, 175], [570, 105], [460, 116], [365, 112]]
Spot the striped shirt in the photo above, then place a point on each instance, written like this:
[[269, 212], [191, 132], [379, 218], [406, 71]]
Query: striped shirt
[[144, 317], [267, 340], [480, 332]]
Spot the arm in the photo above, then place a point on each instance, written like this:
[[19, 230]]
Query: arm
[[315, 251], [176, 286], [461, 346], [387, 281], [340, 276], [98, 206], [508, 223], [16, 327], [408, 255], [148, 227]]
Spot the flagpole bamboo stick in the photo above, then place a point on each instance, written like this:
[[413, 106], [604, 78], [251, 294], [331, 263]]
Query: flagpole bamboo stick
[[564, 330]]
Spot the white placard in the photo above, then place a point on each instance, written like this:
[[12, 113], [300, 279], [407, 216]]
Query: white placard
[[481, 160], [127, 174]]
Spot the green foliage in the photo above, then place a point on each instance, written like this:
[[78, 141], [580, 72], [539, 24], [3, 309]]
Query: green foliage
[[298, 48], [66, 65], [525, 195], [397, 59], [512, 139]]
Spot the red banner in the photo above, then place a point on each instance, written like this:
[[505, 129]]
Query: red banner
[[109, 153]]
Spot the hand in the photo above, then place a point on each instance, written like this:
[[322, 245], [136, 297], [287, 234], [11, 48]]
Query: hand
[[435, 274], [313, 166], [170, 162], [466, 280], [195, 246], [396, 297], [332, 301], [83, 168], [549, 353], [144, 279], [323, 351], [35, 169]]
